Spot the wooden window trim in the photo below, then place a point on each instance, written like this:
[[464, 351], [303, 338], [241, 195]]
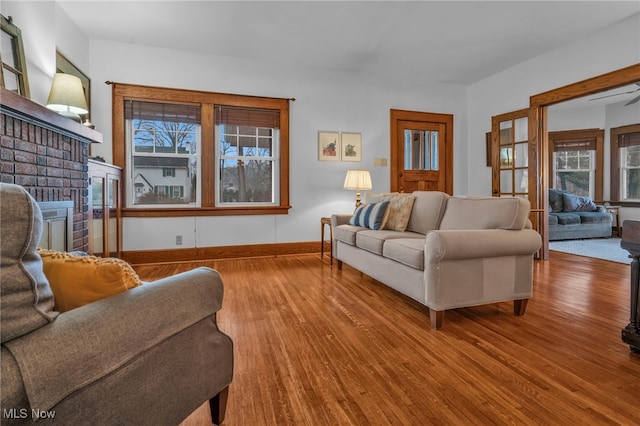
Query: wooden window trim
[[10, 28], [207, 100], [582, 134], [615, 163]]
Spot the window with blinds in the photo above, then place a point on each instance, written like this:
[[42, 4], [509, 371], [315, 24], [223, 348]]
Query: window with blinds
[[247, 142], [574, 166], [629, 146], [163, 143], [200, 153]]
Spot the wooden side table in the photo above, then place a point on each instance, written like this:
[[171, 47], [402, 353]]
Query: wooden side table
[[326, 221]]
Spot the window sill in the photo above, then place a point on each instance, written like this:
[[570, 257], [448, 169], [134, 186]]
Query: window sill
[[204, 211]]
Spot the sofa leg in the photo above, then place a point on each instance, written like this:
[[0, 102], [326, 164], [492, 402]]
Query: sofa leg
[[218, 406], [520, 306], [436, 318], [339, 265]]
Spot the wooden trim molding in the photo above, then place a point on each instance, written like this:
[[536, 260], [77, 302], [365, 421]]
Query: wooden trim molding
[[221, 252]]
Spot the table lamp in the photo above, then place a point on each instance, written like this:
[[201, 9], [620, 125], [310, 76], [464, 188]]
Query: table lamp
[[67, 96], [358, 180]]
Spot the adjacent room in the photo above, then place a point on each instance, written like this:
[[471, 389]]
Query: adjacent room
[[320, 212]]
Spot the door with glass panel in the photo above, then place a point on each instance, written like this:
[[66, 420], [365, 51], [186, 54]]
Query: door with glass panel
[[421, 151], [510, 154]]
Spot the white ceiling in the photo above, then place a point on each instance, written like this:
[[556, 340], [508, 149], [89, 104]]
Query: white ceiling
[[447, 41]]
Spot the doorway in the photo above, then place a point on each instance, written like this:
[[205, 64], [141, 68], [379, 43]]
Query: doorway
[[421, 151], [538, 127]]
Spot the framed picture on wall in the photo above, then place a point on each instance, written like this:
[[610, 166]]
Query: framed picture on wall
[[351, 146], [328, 146]]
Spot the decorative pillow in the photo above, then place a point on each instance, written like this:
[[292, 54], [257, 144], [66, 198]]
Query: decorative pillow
[[574, 203], [555, 200], [77, 280], [369, 215], [400, 206]]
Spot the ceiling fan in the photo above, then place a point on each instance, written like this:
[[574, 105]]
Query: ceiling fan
[[632, 101]]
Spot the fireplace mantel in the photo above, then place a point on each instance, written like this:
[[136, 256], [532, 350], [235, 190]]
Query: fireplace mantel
[[28, 111]]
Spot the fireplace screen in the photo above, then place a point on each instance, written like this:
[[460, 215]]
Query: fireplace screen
[[57, 229]]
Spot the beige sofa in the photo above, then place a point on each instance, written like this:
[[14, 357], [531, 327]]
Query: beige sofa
[[455, 252]]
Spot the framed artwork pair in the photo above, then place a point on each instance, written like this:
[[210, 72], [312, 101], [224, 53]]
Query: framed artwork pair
[[336, 146]]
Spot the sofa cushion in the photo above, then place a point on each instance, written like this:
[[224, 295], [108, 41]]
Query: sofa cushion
[[400, 206], [428, 208], [553, 219], [567, 218], [485, 213], [408, 251], [369, 215], [347, 233], [594, 217], [374, 197], [26, 300], [79, 280], [373, 241], [574, 203]]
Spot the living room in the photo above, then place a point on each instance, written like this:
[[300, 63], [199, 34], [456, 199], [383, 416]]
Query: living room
[[325, 100]]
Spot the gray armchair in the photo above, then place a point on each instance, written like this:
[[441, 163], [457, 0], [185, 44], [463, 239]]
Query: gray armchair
[[148, 356]]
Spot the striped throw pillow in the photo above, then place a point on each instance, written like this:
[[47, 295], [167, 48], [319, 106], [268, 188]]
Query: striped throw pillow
[[369, 215]]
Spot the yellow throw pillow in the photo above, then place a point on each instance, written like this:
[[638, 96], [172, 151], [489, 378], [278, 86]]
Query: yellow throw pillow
[[77, 280], [400, 206]]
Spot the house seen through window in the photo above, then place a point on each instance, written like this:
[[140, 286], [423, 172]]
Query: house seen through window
[[163, 146]]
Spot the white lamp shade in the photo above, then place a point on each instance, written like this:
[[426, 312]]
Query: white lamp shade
[[358, 180], [67, 95]]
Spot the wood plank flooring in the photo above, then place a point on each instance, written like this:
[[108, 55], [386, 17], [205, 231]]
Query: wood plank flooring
[[318, 346]]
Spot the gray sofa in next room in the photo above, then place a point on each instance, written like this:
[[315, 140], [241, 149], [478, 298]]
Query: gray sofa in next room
[[572, 217]]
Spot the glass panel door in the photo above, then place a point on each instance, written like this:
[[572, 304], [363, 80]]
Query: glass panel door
[[510, 162]]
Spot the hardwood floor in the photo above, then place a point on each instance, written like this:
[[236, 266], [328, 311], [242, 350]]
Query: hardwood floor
[[318, 346]]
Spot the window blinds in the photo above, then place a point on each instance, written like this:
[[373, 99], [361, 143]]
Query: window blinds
[[160, 111], [247, 117]]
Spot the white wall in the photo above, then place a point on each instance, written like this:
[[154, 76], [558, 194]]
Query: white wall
[[325, 100], [45, 27]]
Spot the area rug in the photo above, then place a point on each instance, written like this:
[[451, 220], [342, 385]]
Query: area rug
[[600, 248]]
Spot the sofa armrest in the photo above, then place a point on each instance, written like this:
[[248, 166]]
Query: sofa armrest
[[85, 344], [484, 243], [340, 219]]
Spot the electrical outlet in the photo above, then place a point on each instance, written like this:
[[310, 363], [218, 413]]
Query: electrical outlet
[[178, 240]]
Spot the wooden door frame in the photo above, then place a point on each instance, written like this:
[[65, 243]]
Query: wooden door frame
[[432, 117], [539, 137]]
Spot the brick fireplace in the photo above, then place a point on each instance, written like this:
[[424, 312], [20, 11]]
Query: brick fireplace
[[47, 154]]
